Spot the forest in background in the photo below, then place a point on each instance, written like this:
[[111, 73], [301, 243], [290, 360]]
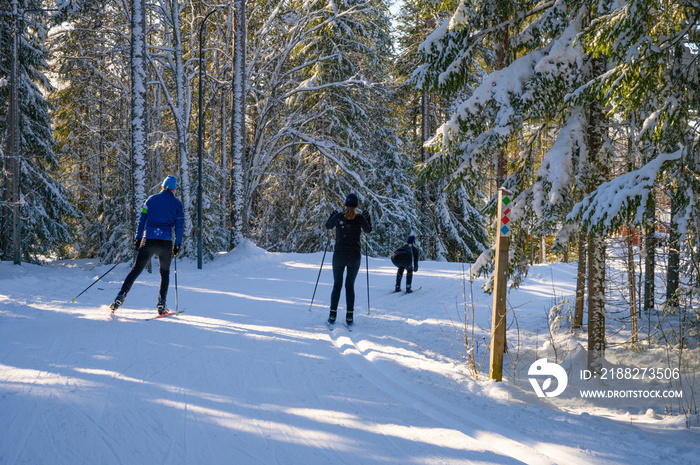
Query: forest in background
[[586, 110]]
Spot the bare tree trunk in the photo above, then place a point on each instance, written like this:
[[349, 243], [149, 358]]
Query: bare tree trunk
[[543, 249], [501, 161], [632, 280], [580, 282], [596, 302], [650, 254], [672, 279], [424, 136], [426, 130], [14, 140], [101, 207], [502, 56], [595, 137], [425, 124]]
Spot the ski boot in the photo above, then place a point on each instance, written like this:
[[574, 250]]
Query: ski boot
[[408, 289], [348, 318], [332, 317], [118, 301], [162, 309], [397, 288]]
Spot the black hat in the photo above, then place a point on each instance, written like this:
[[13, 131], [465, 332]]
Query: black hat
[[411, 240], [351, 201]]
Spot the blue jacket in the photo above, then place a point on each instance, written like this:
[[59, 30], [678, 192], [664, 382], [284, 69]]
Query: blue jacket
[[159, 215]]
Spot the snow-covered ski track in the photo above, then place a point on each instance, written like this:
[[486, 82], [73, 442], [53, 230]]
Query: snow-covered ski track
[[462, 426], [249, 376]]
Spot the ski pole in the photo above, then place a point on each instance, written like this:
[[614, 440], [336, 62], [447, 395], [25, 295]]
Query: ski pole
[[175, 284], [325, 249], [73, 300], [367, 266]]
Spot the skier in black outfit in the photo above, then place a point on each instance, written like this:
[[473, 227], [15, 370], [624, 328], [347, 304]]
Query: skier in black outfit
[[160, 214], [406, 258], [347, 254]]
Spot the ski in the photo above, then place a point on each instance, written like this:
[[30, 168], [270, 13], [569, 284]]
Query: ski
[[414, 290], [350, 327], [331, 326], [404, 292], [165, 315]]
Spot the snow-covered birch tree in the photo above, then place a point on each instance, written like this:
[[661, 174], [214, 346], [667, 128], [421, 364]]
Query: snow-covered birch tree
[[139, 103], [174, 69], [239, 169]]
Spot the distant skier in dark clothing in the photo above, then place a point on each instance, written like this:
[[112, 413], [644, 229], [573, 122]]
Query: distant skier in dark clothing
[[406, 258], [347, 254], [160, 214]]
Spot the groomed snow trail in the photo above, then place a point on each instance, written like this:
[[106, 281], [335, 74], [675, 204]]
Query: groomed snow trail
[[248, 376]]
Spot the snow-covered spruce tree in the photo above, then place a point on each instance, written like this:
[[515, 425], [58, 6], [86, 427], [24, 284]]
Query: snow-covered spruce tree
[[547, 89], [453, 228], [84, 116], [92, 108], [44, 202], [321, 122], [653, 53], [392, 204], [524, 108]]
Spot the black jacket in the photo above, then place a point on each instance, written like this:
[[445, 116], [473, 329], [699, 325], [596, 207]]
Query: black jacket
[[404, 255], [347, 232]]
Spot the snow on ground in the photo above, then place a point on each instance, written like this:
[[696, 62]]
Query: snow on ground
[[248, 375]]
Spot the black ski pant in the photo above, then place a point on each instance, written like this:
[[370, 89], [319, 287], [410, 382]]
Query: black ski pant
[[404, 263], [151, 247], [350, 259], [409, 276]]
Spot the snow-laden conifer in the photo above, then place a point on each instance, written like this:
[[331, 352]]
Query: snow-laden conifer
[[44, 203]]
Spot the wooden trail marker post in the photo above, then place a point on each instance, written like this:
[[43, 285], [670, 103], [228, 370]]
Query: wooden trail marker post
[[500, 286]]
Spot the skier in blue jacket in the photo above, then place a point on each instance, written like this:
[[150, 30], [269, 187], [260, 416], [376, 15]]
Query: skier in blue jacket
[[160, 214]]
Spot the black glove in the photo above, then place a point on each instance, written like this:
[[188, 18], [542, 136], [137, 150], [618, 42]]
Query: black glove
[[334, 217], [369, 221], [176, 250], [137, 244]]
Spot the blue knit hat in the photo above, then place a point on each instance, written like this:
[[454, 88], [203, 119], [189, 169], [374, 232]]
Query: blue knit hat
[[351, 201], [170, 183], [411, 240]]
